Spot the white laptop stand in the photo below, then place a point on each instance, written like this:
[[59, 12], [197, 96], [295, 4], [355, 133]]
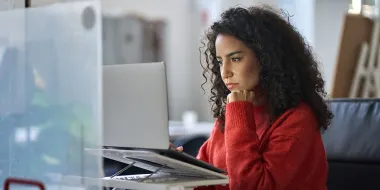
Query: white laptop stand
[[141, 179], [166, 173]]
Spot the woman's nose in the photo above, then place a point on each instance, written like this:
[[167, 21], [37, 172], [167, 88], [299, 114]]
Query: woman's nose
[[225, 71]]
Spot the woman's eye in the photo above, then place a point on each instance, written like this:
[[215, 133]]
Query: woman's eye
[[235, 59], [219, 62]]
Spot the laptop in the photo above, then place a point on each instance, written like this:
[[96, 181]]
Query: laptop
[[135, 111], [135, 124]]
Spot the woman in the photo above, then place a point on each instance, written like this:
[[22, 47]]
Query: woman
[[267, 95]]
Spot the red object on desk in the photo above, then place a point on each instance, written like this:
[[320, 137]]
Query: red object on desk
[[25, 182]]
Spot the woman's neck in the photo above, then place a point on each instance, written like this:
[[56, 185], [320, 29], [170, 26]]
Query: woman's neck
[[259, 99]]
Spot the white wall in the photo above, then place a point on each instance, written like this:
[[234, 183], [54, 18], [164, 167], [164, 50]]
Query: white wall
[[302, 16], [179, 42], [230, 3], [320, 22], [8, 4], [328, 28]]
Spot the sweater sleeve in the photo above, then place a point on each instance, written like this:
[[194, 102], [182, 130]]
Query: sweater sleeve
[[203, 155], [273, 168]]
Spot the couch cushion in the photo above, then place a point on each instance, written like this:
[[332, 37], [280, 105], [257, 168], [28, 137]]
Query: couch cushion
[[353, 176], [354, 134]]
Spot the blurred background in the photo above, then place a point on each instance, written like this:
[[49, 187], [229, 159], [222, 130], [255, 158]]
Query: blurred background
[[341, 32], [171, 31]]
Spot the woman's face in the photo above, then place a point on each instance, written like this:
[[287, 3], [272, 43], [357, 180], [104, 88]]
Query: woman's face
[[239, 67]]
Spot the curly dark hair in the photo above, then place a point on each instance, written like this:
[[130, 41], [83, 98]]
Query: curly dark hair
[[289, 74]]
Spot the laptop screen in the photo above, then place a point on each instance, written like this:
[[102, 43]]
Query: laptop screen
[[135, 109]]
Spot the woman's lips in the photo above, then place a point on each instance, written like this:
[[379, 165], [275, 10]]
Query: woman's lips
[[231, 85]]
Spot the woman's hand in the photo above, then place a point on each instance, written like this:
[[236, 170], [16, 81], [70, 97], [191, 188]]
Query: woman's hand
[[179, 149], [241, 95]]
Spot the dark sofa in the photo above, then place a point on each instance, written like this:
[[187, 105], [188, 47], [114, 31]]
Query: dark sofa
[[352, 144]]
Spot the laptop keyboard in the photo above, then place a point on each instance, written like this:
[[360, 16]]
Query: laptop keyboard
[[147, 178], [156, 178]]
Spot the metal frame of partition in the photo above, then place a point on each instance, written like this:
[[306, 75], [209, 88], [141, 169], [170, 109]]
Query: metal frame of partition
[[27, 3]]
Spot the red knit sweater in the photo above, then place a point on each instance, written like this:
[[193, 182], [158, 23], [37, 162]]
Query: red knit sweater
[[288, 155]]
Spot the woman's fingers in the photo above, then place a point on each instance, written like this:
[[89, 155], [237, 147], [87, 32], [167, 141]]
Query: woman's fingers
[[180, 148]]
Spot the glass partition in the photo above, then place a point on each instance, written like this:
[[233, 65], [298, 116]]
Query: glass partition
[[50, 93]]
